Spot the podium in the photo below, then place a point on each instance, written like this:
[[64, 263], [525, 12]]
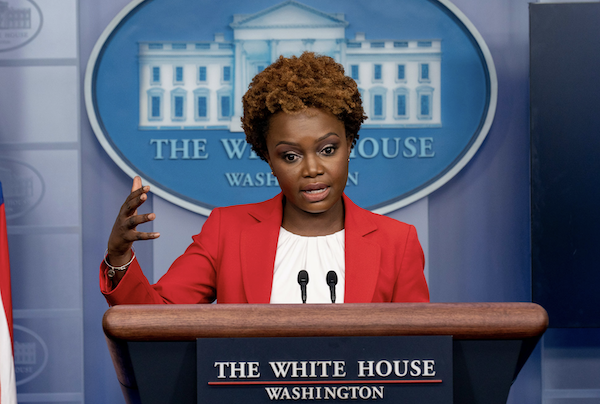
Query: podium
[[153, 347]]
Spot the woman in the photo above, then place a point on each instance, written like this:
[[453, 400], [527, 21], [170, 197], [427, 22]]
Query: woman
[[302, 116]]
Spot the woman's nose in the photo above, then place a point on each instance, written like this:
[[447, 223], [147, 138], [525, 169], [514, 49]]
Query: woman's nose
[[312, 166]]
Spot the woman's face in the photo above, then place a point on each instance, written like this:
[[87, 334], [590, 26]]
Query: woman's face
[[308, 153]]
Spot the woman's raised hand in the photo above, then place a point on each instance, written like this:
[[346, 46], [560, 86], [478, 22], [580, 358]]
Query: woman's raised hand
[[124, 231]]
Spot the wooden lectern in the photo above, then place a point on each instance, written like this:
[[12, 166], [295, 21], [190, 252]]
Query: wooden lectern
[[153, 347]]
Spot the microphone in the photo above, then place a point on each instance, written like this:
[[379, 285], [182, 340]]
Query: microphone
[[332, 281], [303, 281]]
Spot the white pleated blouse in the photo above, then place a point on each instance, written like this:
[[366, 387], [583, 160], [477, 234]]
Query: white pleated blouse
[[317, 255]]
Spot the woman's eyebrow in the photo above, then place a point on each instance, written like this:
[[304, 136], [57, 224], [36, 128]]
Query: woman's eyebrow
[[326, 136], [317, 141]]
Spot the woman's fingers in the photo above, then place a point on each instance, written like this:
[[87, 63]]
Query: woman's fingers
[[146, 236], [133, 221], [129, 231], [123, 236], [134, 201], [136, 198], [133, 235], [137, 183], [124, 231]]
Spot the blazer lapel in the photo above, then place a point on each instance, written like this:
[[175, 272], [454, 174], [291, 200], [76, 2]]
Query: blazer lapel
[[258, 247], [362, 256]]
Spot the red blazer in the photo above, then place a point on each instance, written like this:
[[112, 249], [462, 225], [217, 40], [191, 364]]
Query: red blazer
[[233, 257]]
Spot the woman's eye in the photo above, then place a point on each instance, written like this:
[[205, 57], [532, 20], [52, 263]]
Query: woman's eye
[[290, 157], [329, 150]]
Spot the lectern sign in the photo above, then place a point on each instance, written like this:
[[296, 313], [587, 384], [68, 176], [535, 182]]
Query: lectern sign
[[409, 370]]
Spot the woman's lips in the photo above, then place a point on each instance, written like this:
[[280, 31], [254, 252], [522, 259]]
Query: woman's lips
[[315, 192]]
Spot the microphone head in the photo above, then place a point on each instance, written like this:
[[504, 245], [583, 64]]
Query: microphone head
[[303, 277], [332, 278]]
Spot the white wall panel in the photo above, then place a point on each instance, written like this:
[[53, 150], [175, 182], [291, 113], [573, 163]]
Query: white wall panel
[[39, 104], [57, 37], [47, 271], [56, 364], [53, 199]]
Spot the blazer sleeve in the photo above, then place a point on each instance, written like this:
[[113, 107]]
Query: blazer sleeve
[[191, 278], [411, 285]]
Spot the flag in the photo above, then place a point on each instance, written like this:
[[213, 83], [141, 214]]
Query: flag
[[8, 387]]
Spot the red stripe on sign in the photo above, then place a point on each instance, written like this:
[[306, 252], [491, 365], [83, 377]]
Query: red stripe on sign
[[278, 382]]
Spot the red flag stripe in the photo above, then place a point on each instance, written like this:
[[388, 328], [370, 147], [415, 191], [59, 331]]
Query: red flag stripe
[[5, 272]]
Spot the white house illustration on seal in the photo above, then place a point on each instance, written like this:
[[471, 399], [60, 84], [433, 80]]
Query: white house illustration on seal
[[199, 84], [14, 18]]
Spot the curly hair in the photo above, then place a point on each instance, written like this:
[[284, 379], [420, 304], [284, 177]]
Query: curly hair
[[294, 84]]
